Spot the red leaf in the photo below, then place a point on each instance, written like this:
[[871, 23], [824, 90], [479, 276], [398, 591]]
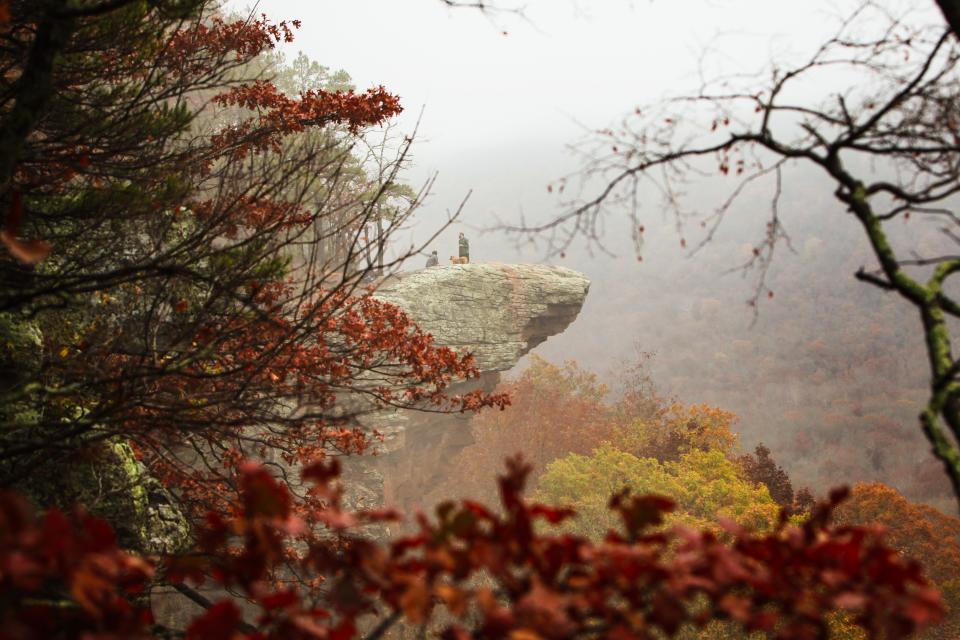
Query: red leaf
[[279, 600], [24, 571], [322, 472], [850, 600], [91, 585], [639, 513], [220, 622], [925, 608], [26, 251], [263, 496], [346, 630], [416, 601], [551, 514]]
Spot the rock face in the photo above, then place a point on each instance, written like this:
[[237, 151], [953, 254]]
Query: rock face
[[498, 312], [115, 486]]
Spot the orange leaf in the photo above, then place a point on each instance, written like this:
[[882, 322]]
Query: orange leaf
[[26, 251], [415, 601], [454, 598], [91, 583]]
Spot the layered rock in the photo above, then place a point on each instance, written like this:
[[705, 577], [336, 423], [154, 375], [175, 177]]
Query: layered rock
[[498, 312]]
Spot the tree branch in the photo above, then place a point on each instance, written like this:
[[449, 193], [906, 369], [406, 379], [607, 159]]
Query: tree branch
[[206, 603]]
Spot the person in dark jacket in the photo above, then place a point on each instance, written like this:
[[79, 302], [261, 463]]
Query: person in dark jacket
[[433, 260], [464, 246]]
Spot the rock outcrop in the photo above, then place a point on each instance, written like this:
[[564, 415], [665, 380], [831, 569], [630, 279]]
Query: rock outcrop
[[498, 312]]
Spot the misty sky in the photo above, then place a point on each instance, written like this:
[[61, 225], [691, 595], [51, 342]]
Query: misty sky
[[500, 109], [499, 112]]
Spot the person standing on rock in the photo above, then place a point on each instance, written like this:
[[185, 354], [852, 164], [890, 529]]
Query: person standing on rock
[[464, 247], [433, 260]]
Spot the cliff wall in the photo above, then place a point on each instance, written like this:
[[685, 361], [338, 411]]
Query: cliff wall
[[498, 312]]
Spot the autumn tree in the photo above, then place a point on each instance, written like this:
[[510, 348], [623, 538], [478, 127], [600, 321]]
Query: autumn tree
[[678, 430], [706, 486], [761, 468], [885, 137], [914, 530], [555, 410], [689, 454], [167, 304]]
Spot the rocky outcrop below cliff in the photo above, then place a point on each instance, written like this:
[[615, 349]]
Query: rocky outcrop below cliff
[[498, 312]]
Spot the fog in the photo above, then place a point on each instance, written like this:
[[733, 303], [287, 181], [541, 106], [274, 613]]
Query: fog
[[498, 99]]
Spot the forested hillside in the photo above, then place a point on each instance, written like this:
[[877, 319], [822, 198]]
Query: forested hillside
[[224, 361], [826, 362]]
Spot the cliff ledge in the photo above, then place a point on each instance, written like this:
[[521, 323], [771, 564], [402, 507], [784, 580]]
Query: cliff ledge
[[498, 312]]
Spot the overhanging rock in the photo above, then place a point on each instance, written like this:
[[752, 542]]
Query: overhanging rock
[[498, 312]]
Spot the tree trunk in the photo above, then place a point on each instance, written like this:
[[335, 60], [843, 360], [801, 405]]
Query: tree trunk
[[380, 242], [33, 90]]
